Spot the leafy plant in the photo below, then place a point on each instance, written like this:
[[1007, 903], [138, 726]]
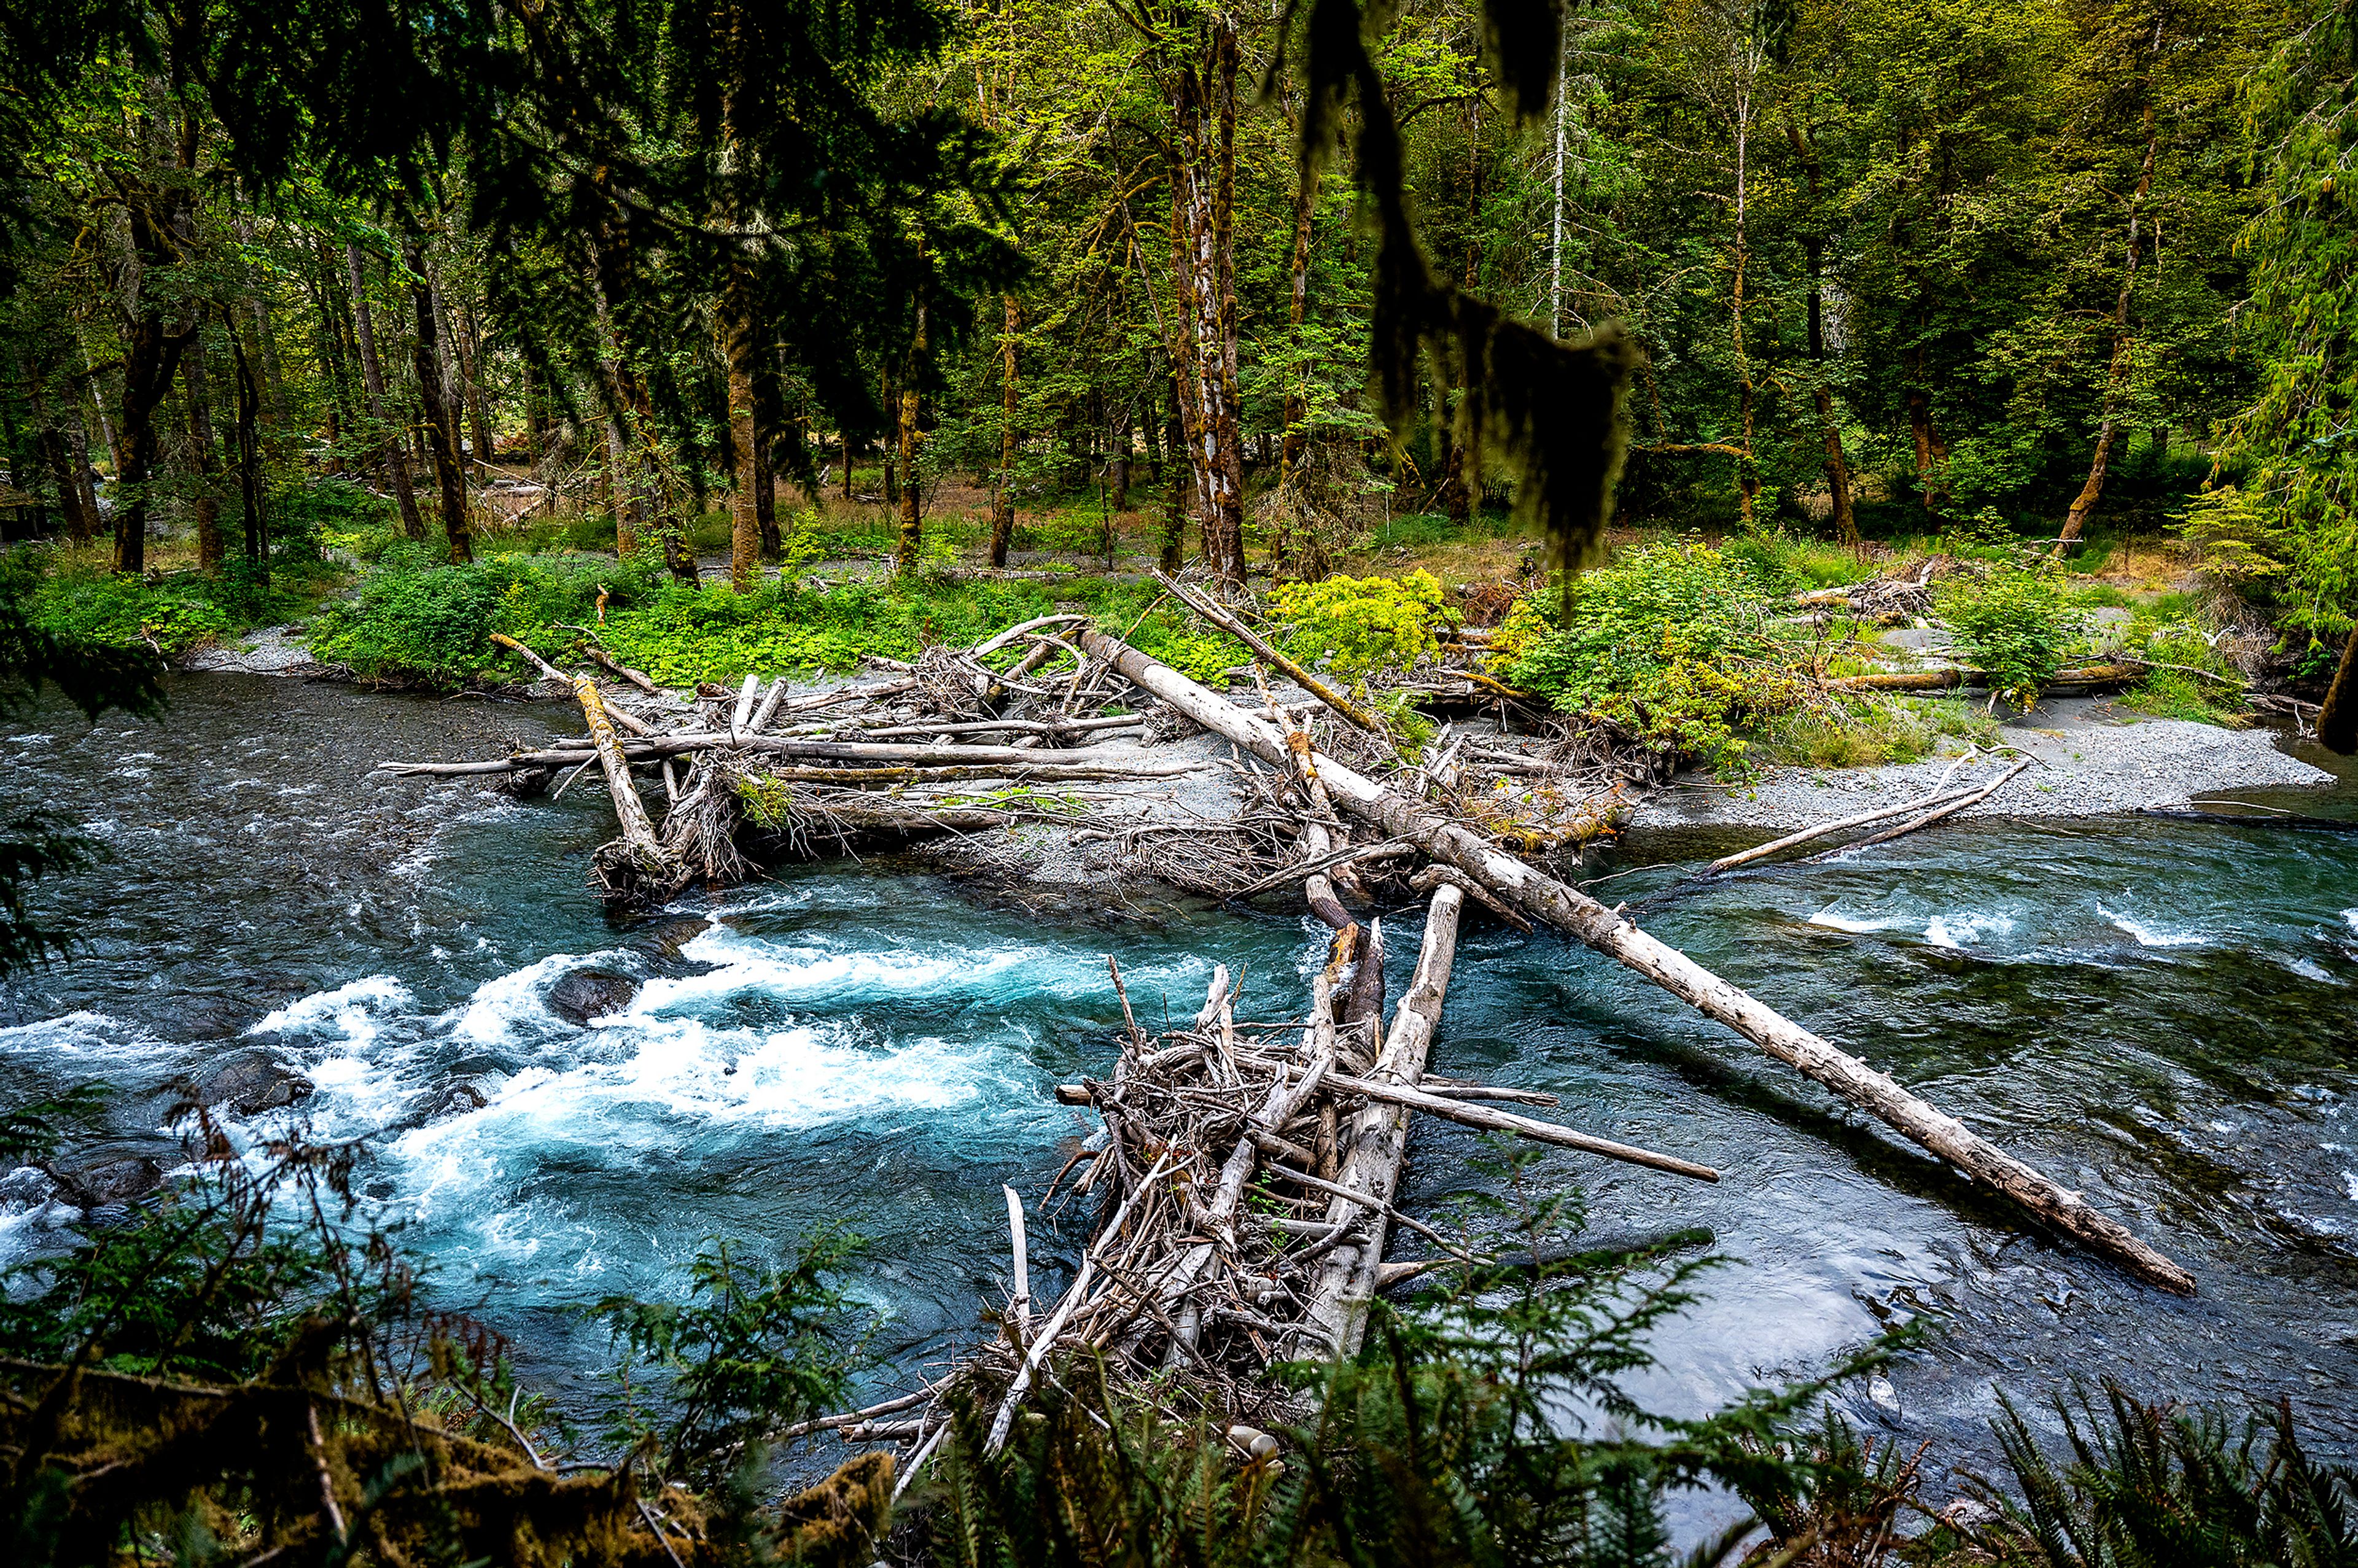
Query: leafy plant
[[1361, 625], [753, 1349], [1674, 643], [2142, 1483], [2016, 625]]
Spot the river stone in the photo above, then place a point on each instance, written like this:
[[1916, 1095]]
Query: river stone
[[584, 994], [249, 1083], [435, 1104], [93, 1180], [662, 942]]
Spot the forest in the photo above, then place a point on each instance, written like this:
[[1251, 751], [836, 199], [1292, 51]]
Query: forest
[[1162, 608]]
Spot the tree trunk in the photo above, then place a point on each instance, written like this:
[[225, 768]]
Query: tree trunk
[[478, 408], [892, 405], [397, 461], [441, 427], [206, 459], [622, 492], [904, 552], [58, 454], [2117, 372], [1346, 1284], [1813, 252], [77, 439], [1002, 499], [1543, 897], [744, 515], [249, 454], [1122, 461], [1202, 234], [1175, 524], [766, 501]]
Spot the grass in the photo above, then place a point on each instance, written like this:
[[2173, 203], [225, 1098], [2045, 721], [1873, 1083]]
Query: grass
[[1867, 732]]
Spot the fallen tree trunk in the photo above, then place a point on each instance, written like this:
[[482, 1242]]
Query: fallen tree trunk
[[1958, 676], [642, 850], [1346, 1284], [1203, 606], [1543, 897], [773, 745]]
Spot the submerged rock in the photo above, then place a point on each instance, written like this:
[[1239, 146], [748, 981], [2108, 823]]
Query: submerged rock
[[249, 1083], [584, 994], [437, 1105], [662, 942]]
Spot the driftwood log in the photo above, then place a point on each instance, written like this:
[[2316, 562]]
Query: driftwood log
[[1543, 897]]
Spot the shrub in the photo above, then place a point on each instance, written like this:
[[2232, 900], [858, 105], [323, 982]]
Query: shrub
[[2013, 624], [1672, 643], [172, 616], [1361, 625]]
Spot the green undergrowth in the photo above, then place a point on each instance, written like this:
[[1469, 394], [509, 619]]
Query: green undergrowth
[[417, 621], [1869, 730], [1357, 626], [1676, 643], [79, 599]]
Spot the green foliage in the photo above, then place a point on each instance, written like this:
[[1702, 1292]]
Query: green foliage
[[413, 620], [416, 621], [2016, 624], [2296, 510], [1357, 626], [2139, 1483], [2214, 699], [1674, 643], [1868, 730], [754, 1348]]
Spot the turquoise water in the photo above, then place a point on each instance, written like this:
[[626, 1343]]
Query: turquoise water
[[2161, 1013]]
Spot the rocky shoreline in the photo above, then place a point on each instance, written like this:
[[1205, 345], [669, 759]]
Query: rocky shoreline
[[2090, 758]]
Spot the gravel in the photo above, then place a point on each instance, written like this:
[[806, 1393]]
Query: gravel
[[2091, 759]]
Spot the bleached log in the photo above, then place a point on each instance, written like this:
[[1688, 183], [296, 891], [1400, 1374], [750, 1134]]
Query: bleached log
[[1543, 897], [638, 830], [1346, 1281]]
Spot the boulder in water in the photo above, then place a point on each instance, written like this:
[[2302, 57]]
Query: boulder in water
[[584, 994], [661, 941], [100, 1177], [249, 1083], [451, 1100]]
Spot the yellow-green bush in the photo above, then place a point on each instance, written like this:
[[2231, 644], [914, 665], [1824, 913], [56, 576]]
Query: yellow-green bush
[[1361, 625]]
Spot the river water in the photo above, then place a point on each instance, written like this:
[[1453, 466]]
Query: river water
[[2163, 1014]]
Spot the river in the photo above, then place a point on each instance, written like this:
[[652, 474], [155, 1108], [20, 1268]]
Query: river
[[2160, 1013]]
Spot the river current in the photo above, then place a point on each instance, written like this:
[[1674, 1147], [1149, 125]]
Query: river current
[[2163, 1014]]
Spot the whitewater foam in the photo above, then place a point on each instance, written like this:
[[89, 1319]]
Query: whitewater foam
[[1860, 924], [1954, 931], [2152, 936], [353, 1013]]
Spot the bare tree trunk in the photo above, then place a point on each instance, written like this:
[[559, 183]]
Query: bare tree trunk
[[442, 427], [249, 453], [76, 441], [912, 539], [478, 408], [206, 456], [1203, 216], [1813, 249], [397, 461], [2117, 372], [1002, 499], [766, 501]]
